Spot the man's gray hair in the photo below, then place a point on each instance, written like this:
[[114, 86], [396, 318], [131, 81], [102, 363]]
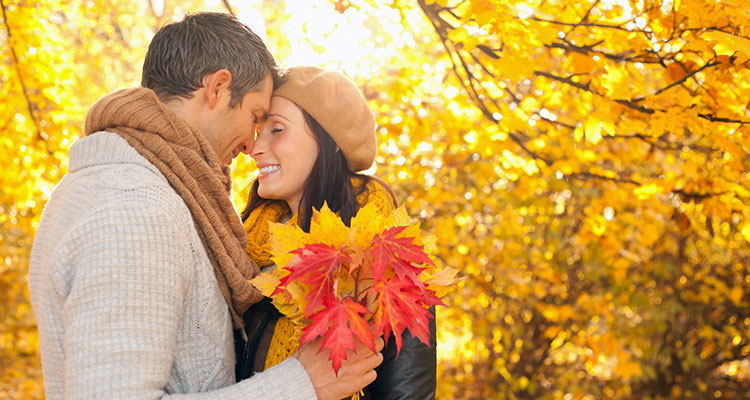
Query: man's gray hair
[[183, 52]]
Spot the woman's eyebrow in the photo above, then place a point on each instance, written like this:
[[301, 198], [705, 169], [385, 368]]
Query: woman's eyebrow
[[276, 115]]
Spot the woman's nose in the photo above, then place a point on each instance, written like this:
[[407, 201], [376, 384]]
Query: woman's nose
[[258, 147]]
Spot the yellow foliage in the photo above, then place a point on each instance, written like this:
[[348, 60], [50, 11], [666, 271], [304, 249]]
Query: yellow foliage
[[584, 168], [284, 239], [326, 227]]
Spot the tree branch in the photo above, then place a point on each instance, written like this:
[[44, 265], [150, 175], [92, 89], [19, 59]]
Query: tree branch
[[30, 106], [686, 77], [589, 175], [228, 7], [568, 80], [667, 144], [575, 25], [569, 47], [692, 196], [714, 118]]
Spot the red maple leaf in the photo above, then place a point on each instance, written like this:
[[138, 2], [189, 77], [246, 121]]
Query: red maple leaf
[[403, 305], [318, 265], [338, 323], [400, 253]]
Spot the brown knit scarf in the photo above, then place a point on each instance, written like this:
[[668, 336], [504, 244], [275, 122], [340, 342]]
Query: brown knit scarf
[[194, 171]]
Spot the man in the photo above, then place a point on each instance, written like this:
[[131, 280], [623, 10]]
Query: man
[[138, 271]]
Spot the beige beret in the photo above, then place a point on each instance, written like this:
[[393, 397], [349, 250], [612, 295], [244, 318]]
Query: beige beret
[[337, 104]]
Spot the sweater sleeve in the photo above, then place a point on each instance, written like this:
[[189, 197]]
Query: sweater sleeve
[[287, 380], [125, 302]]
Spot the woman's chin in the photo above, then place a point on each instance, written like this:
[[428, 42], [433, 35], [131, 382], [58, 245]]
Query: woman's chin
[[267, 194]]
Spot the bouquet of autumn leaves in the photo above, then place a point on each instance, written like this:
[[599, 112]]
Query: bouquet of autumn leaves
[[370, 279]]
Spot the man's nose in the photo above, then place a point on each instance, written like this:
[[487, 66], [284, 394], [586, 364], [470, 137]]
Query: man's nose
[[247, 145]]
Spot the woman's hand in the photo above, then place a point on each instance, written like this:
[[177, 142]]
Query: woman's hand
[[356, 372]]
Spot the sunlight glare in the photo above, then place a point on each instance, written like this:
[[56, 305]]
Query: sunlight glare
[[318, 35]]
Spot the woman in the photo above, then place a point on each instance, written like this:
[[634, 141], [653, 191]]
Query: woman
[[318, 134]]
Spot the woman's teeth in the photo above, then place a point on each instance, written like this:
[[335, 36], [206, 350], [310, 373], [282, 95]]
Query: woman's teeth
[[268, 170]]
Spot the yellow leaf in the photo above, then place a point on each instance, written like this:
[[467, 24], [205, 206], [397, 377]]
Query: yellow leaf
[[295, 304], [592, 130], [736, 295], [727, 44], [326, 227], [627, 369], [554, 313], [399, 217], [677, 71], [616, 82], [552, 331], [582, 63], [606, 121], [647, 191], [430, 243], [266, 283], [745, 231], [411, 231], [365, 225], [530, 104], [442, 281], [285, 238], [514, 121]]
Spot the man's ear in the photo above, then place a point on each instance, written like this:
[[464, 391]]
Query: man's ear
[[216, 86]]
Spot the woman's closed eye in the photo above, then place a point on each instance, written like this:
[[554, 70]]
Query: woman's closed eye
[[276, 128]]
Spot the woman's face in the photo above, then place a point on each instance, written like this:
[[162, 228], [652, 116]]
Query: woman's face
[[285, 151]]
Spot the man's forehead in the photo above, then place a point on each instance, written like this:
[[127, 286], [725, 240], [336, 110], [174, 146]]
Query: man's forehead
[[260, 100], [257, 105]]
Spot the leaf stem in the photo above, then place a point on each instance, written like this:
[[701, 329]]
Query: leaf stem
[[356, 285]]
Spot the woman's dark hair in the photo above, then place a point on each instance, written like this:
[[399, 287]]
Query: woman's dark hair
[[330, 181]]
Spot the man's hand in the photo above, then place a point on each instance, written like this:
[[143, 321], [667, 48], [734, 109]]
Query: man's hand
[[356, 372]]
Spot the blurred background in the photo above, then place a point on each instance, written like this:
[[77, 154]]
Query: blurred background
[[584, 164]]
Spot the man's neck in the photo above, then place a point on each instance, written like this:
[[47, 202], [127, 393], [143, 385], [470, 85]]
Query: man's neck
[[180, 107], [188, 110]]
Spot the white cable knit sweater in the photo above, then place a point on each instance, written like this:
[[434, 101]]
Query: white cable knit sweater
[[125, 296]]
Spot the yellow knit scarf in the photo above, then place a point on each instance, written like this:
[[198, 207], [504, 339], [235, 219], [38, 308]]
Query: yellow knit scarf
[[285, 340]]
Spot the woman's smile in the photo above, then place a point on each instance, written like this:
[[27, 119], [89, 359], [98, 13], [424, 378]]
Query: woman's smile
[[266, 169], [284, 139]]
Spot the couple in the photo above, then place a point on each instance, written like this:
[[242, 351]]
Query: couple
[[139, 270]]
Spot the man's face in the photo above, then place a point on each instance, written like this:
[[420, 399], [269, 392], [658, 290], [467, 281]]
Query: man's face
[[233, 130]]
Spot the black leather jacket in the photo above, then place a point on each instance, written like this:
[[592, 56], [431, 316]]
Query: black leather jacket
[[411, 375]]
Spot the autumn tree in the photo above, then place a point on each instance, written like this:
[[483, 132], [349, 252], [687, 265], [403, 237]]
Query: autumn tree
[[583, 163], [605, 197]]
